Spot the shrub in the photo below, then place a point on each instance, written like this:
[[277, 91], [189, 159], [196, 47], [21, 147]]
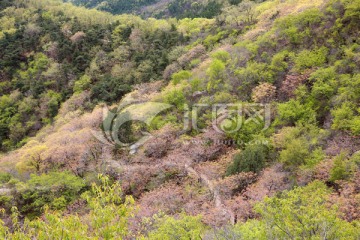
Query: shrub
[[250, 76], [343, 167], [249, 129], [355, 125], [295, 152], [61, 187], [304, 212], [216, 74], [4, 177], [221, 55], [179, 76], [298, 28], [185, 227], [294, 111], [308, 59], [82, 84], [196, 84], [278, 62], [251, 159], [343, 116], [314, 158], [107, 218], [175, 97], [299, 146]]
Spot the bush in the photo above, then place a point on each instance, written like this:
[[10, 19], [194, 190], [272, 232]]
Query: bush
[[251, 159], [343, 116], [294, 111], [179, 76], [278, 62], [175, 97], [107, 218], [308, 59], [82, 84], [221, 55], [314, 158], [299, 28], [216, 74], [304, 212], [56, 189], [4, 177], [295, 152], [186, 227], [343, 168], [355, 125], [299, 146]]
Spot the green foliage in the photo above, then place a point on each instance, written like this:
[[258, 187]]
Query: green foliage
[[278, 61], [110, 211], [299, 28], [4, 177], [303, 213], [299, 146], [109, 89], [175, 97], [250, 76], [107, 218], [294, 111], [314, 158], [190, 9], [308, 59], [196, 84], [82, 84], [343, 116], [56, 189], [115, 6], [160, 121], [250, 130], [185, 227], [250, 230], [179, 76], [211, 40], [343, 167], [221, 55], [295, 152], [216, 75], [251, 159]]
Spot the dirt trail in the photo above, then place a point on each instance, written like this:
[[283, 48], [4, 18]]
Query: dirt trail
[[213, 189]]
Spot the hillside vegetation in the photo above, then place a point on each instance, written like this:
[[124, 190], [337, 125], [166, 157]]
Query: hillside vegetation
[[160, 8], [292, 175]]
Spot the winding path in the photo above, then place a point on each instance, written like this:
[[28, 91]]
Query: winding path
[[213, 189]]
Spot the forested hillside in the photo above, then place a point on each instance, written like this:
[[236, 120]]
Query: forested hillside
[[257, 136], [160, 8]]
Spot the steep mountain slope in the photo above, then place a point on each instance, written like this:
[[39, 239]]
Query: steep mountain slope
[[285, 166]]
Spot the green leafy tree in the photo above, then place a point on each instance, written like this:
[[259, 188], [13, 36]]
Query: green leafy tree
[[251, 159], [303, 214], [216, 75], [179, 76], [185, 227], [294, 111], [108, 218], [56, 189]]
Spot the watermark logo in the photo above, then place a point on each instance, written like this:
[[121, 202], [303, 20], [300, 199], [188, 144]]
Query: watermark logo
[[228, 118], [225, 119], [113, 122]]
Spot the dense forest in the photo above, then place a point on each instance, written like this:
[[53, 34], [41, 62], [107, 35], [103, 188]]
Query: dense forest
[[287, 167], [160, 8]]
